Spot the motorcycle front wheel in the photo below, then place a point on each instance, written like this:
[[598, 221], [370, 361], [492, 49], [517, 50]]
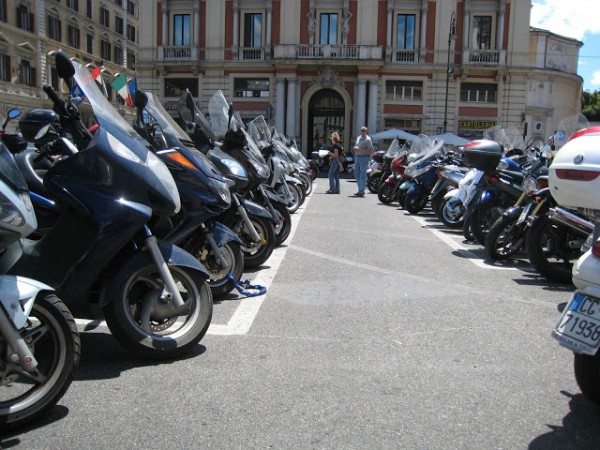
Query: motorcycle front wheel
[[52, 335], [373, 182], [452, 216], [387, 193], [484, 216], [256, 253], [504, 238], [415, 203], [219, 282], [295, 201], [143, 318], [284, 227]]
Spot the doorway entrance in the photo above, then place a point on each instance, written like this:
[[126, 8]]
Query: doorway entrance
[[326, 114]]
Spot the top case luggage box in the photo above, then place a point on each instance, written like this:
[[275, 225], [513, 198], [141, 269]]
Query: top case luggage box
[[574, 173], [483, 155]]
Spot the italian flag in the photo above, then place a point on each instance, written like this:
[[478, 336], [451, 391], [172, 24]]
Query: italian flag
[[120, 85], [97, 72]]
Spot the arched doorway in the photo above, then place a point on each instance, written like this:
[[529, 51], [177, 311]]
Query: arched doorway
[[326, 114]]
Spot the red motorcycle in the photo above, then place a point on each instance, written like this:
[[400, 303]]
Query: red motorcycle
[[389, 190]]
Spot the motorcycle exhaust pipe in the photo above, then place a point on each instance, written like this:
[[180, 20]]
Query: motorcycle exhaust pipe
[[569, 219]]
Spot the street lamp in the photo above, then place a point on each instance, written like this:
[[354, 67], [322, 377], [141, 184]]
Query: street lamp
[[451, 37]]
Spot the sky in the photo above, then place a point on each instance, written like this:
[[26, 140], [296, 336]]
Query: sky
[[579, 19]]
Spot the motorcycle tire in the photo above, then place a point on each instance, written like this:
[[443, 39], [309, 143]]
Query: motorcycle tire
[[415, 203], [219, 282], [154, 334], [307, 182], [56, 346], [373, 182], [256, 254], [504, 238], [467, 230], [295, 203], [301, 192], [548, 249], [587, 375], [452, 219], [435, 206], [387, 193], [283, 229], [482, 220]]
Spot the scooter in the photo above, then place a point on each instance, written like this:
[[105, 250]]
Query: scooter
[[40, 347], [101, 255]]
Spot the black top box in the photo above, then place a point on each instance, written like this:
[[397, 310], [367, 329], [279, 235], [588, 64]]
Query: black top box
[[482, 155]]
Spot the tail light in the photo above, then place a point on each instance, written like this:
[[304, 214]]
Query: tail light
[[542, 183], [577, 175]]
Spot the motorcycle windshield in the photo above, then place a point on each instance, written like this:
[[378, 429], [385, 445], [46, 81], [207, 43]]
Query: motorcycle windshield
[[218, 108], [393, 150], [9, 171], [195, 115], [259, 130]]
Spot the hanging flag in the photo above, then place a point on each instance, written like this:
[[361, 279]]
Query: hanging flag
[[132, 89], [97, 71], [120, 85]]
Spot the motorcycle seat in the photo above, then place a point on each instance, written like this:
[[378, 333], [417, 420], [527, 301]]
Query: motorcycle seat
[[33, 171]]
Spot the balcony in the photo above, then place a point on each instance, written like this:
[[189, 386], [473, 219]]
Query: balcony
[[251, 53], [328, 52], [177, 53], [404, 56], [484, 57]]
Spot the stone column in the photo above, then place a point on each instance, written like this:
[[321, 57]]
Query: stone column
[[280, 105], [372, 108], [165, 25], [196, 25], [390, 24], [423, 43], [290, 128], [236, 29], [500, 30], [361, 103]]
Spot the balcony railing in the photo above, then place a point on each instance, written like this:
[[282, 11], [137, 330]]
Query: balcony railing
[[335, 52], [484, 56], [251, 53], [177, 53], [405, 56]]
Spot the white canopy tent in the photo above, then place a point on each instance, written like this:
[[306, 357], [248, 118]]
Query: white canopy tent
[[451, 139], [394, 133]]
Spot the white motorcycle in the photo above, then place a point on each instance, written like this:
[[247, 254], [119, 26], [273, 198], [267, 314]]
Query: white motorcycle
[[574, 182], [39, 342]]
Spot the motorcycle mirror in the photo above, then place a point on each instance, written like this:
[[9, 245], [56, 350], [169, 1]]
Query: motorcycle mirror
[[64, 67], [141, 100], [13, 113]]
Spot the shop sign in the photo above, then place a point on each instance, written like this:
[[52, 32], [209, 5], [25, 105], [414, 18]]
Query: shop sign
[[476, 124]]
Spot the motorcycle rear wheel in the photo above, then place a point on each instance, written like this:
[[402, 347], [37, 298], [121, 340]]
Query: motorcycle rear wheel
[[143, 325], [53, 337], [587, 375], [504, 238]]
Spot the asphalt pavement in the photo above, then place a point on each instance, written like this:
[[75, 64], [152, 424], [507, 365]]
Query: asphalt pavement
[[379, 330]]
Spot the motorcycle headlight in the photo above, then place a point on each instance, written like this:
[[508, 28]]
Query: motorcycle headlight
[[120, 149], [235, 167], [529, 185]]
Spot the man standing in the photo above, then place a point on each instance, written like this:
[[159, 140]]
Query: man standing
[[362, 152]]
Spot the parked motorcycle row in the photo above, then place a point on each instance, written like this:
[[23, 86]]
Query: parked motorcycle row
[[541, 202], [143, 225]]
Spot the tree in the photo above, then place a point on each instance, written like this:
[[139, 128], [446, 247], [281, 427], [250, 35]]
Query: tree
[[591, 105]]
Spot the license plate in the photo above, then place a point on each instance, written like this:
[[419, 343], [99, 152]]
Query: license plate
[[578, 328], [524, 214]]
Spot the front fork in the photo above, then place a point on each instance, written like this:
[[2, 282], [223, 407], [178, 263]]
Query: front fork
[[245, 219], [21, 352]]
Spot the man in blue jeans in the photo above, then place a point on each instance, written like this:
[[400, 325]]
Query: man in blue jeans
[[362, 152]]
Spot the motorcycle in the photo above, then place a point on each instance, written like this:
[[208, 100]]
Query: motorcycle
[[389, 190], [100, 255], [574, 184], [40, 347]]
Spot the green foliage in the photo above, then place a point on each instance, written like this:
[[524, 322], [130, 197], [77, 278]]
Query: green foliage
[[591, 105]]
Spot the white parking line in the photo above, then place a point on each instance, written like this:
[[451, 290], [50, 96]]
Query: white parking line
[[459, 248], [244, 315]]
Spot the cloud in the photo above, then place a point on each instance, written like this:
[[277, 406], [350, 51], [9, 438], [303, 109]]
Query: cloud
[[573, 18], [595, 81]]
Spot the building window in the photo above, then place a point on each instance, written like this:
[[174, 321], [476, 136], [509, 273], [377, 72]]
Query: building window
[[90, 44], [131, 33], [73, 36], [174, 87], [4, 67], [26, 73], [478, 92], [104, 17], [406, 27], [119, 2], [131, 60], [89, 9], [402, 90], [54, 80], [3, 11], [251, 87], [412, 126], [24, 18], [118, 56], [482, 33], [105, 50], [54, 28], [119, 24], [253, 30], [131, 8], [328, 28], [181, 29], [73, 4]]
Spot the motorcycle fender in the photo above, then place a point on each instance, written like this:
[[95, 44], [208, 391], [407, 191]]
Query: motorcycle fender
[[274, 197], [254, 209], [414, 189], [451, 193], [513, 213], [173, 256], [222, 235], [293, 180], [17, 295]]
